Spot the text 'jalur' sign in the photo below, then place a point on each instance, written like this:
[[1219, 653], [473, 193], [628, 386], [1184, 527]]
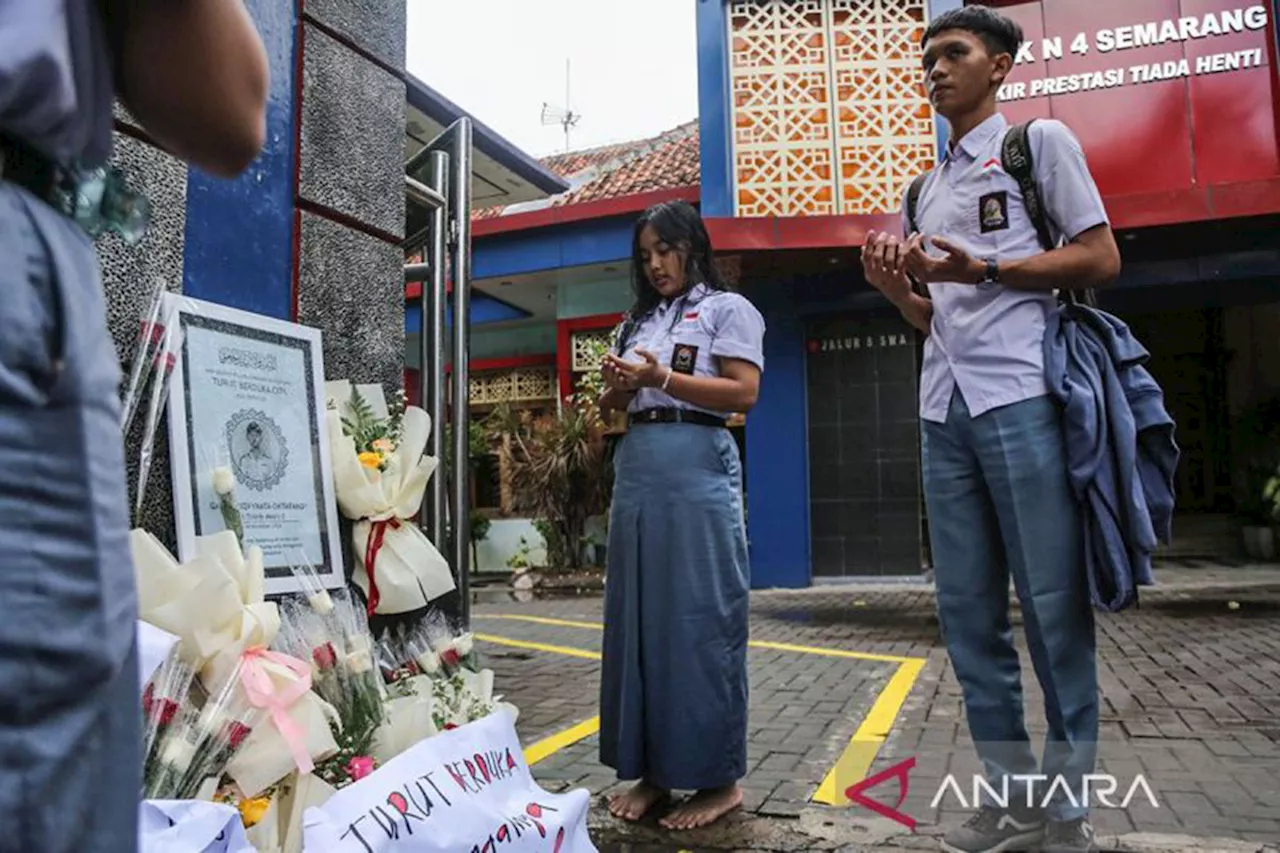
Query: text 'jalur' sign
[[1129, 69]]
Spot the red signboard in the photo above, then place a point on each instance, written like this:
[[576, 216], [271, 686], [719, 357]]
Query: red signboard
[[1165, 95]]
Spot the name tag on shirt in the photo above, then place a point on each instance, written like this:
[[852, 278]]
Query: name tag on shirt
[[684, 357], [993, 212]]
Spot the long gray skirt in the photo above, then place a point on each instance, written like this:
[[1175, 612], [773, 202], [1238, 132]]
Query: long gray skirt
[[673, 704], [70, 713]]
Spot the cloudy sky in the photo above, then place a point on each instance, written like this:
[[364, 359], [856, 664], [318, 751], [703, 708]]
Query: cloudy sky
[[633, 64]]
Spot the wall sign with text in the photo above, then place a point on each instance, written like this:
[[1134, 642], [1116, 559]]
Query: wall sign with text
[[1123, 45], [850, 343], [1166, 96], [248, 403]]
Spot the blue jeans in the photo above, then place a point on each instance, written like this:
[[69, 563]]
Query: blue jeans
[[999, 504]]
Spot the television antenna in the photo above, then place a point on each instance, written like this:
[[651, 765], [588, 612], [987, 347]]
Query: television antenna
[[565, 117]]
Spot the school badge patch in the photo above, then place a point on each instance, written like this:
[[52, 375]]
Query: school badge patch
[[993, 212], [684, 357]]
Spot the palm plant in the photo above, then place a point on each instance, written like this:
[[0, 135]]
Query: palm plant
[[557, 468]]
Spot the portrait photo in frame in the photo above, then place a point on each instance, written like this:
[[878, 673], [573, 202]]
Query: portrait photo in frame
[[247, 406]]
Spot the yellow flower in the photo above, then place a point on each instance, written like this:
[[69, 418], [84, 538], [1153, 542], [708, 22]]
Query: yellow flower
[[371, 460], [252, 811]]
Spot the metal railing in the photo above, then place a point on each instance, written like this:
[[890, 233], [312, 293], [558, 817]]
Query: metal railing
[[446, 245]]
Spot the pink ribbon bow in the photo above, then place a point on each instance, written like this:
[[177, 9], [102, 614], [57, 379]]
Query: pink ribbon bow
[[262, 693]]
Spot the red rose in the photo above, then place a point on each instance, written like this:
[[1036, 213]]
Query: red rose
[[448, 727], [325, 656], [450, 658], [168, 710], [237, 733]]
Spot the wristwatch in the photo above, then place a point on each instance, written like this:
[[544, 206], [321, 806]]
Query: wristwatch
[[991, 274]]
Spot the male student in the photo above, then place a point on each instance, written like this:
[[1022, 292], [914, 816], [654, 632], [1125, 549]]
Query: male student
[[194, 73], [995, 468]]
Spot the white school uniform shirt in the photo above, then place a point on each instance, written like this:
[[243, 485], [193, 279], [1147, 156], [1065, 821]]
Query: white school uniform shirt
[[689, 333], [987, 339]]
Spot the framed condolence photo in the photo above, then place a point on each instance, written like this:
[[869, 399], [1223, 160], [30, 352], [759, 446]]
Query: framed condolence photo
[[247, 410]]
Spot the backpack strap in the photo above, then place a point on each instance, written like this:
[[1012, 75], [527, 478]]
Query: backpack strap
[[1017, 161], [913, 201]]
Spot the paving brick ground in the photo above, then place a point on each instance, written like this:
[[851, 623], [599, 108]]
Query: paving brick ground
[[1190, 690]]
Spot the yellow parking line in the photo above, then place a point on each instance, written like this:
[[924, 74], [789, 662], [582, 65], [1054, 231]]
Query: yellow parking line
[[539, 647], [831, 653], [853, 763], [538, 620], [547, 747], [858, 756], [755, 644]]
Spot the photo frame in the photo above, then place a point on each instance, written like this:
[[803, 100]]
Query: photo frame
[[248, 401]]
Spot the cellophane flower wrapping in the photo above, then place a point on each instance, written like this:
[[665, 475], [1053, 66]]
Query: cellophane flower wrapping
[[380, 475], [338, 645], [165, 706], [150, 334], [214, 604], [199, 743]]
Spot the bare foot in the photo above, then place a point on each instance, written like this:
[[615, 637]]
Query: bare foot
[[704, 808], [636, 802]]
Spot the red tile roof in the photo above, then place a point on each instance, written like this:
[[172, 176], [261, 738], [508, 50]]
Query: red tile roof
[[667, 161]]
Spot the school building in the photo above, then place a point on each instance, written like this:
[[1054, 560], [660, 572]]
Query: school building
[[813, 119]]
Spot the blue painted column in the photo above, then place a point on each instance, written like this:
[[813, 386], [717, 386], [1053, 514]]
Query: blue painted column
[[778, 452], [715, 113], [240, 233]]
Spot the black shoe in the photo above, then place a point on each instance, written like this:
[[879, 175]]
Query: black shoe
[[994, 830], [1070, 836]]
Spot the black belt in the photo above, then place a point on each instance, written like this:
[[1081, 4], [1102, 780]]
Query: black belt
[[25, 166], [675, 416]]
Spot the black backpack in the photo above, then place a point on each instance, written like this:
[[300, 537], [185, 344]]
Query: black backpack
[[1015, 158]]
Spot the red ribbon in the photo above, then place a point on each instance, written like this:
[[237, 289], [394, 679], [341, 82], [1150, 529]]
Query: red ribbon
[[377, 530]]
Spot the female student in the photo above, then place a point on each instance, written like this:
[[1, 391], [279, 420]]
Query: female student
[[673, 710]]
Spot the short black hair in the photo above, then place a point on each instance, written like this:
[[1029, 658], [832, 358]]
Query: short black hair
[[998, 33]]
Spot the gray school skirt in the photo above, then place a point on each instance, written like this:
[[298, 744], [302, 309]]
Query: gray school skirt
[[673, 705], [70, 771]]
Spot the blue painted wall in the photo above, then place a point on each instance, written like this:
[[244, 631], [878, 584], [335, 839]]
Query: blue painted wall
[[777, 450], [239, 234], [714, 116], [592, 242], [484, 309]]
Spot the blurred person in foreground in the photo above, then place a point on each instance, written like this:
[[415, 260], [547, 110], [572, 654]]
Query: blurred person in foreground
[[194, 75]]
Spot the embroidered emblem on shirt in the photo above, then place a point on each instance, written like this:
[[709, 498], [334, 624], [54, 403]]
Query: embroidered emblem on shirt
[[691, 316], [993, 212], [992, 165], [683, 358]]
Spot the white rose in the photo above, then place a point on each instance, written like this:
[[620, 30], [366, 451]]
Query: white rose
[[464, 644], [429, 662], [224, 481], [178, 753], [359, 662], [321, 603]]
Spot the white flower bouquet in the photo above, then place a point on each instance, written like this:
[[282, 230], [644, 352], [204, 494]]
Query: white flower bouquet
[[380, 474]]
